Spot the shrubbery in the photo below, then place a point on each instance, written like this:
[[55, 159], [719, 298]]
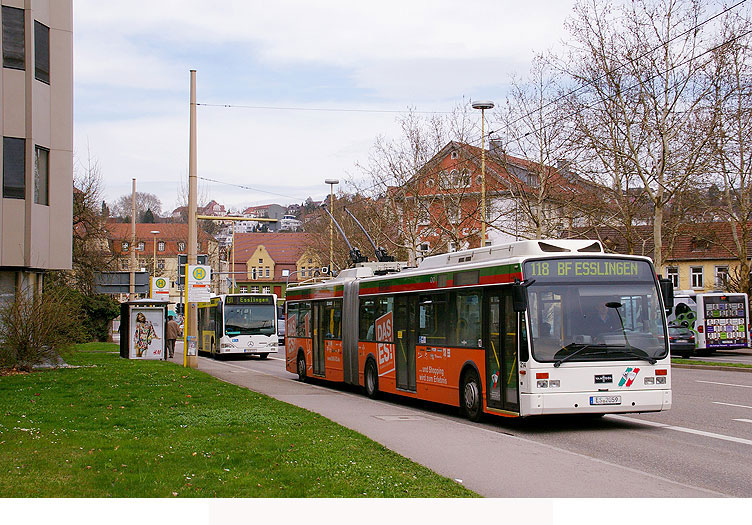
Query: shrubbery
[[34, 328]]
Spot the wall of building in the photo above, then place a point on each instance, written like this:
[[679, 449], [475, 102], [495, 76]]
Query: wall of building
[[708, 273], [37, 237]]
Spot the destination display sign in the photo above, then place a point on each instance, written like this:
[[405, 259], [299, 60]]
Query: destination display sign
[[588, 270], [249, 299]]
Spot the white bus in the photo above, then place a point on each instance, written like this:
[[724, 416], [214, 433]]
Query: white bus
[[520, 329], [238, 324], [720, 321]]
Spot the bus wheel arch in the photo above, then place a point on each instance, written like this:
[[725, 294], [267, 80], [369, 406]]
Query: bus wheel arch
[[371, 378], [470, 392], [301, 365]]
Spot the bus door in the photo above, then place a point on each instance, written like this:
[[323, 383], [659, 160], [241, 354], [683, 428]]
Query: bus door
[[319, 330], [404, 341], [501, 352]]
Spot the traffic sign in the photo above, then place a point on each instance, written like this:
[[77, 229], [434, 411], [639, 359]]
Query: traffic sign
[[160, 288], [198, 283], [183, 259]]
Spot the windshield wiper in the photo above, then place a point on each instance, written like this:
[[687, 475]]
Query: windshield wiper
[[558, 363], [634, 352]]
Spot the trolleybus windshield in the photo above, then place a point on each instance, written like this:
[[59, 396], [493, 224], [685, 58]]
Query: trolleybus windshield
[[594, 309], [250, 315]]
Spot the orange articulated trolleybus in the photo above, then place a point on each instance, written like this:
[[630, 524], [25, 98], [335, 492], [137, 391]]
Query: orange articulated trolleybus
[[520, 329]]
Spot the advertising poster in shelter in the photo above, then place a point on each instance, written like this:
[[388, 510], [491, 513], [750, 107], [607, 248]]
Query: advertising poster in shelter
[[146, 333]]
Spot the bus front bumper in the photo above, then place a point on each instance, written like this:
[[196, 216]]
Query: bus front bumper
[[613, 402], [255, 350]]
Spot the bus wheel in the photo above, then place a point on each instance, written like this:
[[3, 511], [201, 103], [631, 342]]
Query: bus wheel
[[371, 380], [301, 366], [263, 356], [471, 403]]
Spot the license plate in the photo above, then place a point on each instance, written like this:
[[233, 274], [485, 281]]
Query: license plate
[[249, 349], [681, 341], [605, 400]]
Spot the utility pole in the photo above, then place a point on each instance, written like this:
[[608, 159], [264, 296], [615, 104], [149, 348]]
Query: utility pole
[[191, 316], [132, 283]]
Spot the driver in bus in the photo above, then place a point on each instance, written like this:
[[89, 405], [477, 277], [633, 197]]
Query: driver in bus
[[606, 320]]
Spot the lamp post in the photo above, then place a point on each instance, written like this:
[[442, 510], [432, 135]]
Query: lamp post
[[331, 183], [483, 105], [154, 265]]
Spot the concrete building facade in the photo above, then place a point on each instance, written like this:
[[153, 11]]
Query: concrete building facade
[[36, 115]]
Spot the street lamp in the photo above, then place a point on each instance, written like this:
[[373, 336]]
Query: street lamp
[[331, 183], [483, 105], [154, 266]]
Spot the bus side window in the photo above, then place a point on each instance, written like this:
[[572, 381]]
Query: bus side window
[[333, 319], [290, 316], [367, 318], [432, 315], [304, 320], [467, 322]]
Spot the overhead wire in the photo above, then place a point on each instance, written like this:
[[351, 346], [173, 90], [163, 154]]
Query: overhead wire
[[475, 156]]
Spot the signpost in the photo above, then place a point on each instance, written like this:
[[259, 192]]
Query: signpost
[[198, 288], [119, 282], [160, 288]]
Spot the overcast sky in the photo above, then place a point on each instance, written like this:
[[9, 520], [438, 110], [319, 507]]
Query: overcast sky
[[132, 62]]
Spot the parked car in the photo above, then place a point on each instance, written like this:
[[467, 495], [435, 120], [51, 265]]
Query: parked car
[[281, 331], [681, 341]]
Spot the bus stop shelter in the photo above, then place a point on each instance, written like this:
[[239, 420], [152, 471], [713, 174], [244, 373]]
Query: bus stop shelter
[[143, 326]]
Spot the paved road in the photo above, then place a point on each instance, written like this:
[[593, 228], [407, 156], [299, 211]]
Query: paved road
[[701, 448]]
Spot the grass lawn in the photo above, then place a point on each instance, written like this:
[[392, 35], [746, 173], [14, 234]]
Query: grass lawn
[[120, 428], [708, 363]]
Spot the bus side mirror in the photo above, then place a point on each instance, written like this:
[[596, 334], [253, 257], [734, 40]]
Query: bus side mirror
[[519, 294], [667, 291]]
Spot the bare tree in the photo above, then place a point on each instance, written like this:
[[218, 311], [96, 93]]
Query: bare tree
[[413, 191], [144, 201], [90, 252], [535, 127], [643, 109], [732, 143]]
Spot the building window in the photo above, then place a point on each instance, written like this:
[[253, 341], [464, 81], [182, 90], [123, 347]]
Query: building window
[[160, 264], [41, 176], [13, 38], [695, 273], [266, 271], [721, 276], [253, 273], [261, 261], [454, 155], [125, 246], [285, 273], [181, 246], [267, 289], [672, 274], [14, 166], [161, 246], [254, 289], [140, 246], [243, 289], [41, 52]]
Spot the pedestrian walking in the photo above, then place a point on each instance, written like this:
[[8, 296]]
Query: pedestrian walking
[[172, 335]]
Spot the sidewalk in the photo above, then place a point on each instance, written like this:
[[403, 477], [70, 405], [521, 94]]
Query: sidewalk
[[488, 462]]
